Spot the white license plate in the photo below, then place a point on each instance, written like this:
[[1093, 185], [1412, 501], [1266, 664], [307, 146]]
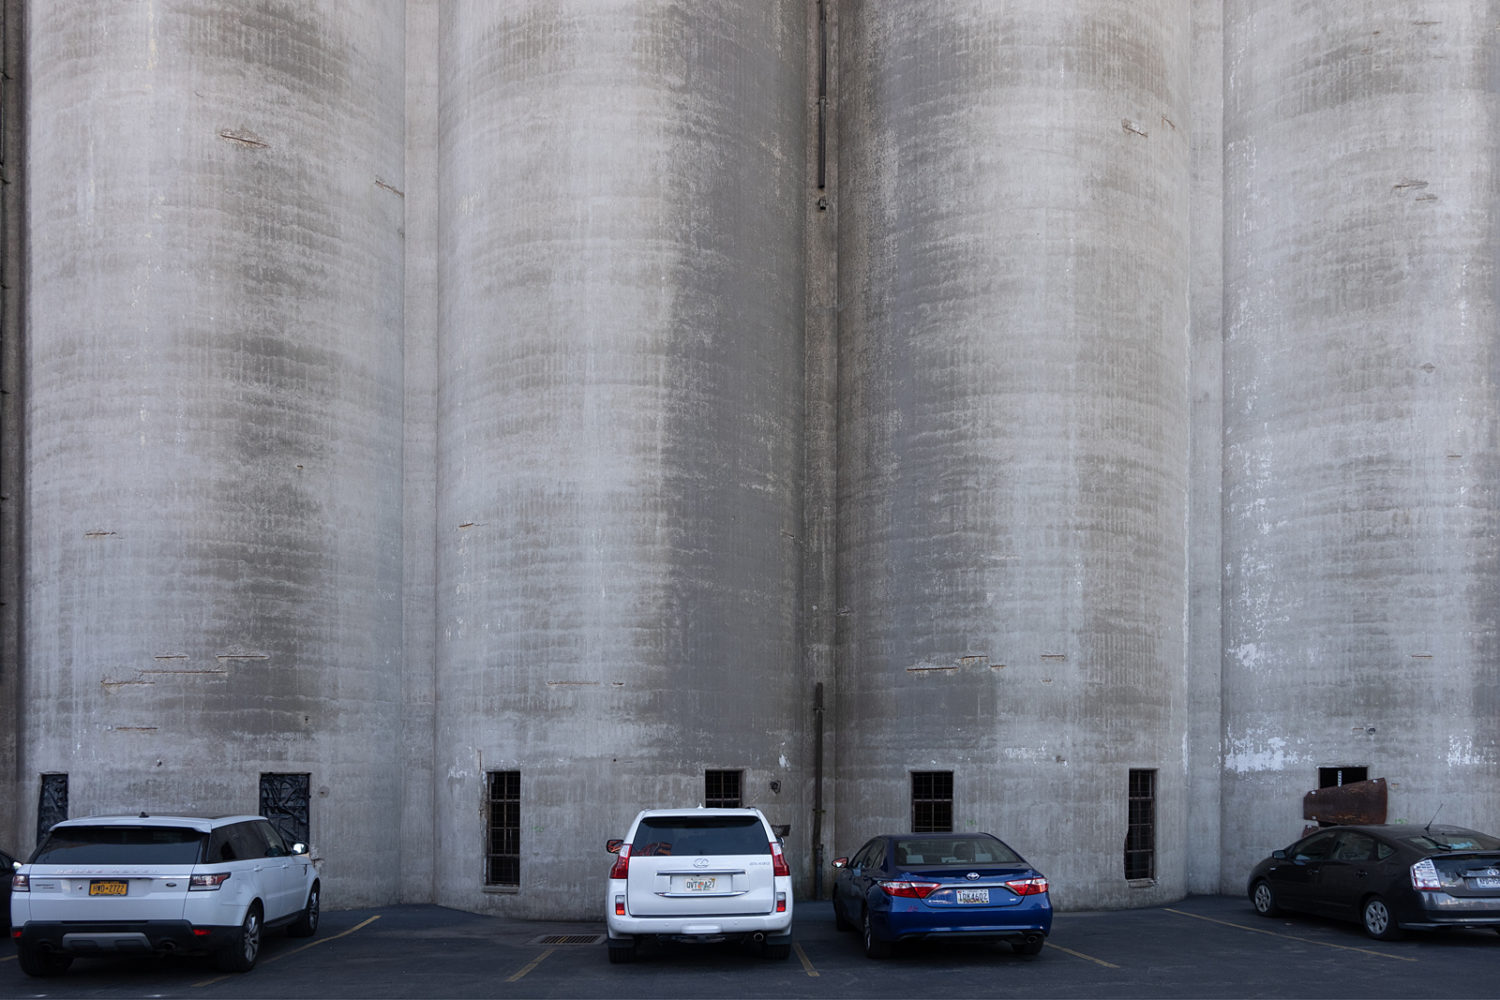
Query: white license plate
[[981, 896], [1487, 883], [699, 883]]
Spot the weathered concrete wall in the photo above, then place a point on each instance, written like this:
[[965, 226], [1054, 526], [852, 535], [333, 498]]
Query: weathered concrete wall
[[1361, 462], [419, 465], [213, 423], [620, 425], [1206, 381], [12, 457], [1014, 411]]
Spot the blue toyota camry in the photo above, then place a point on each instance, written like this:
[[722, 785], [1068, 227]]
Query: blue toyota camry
[[911, 886]]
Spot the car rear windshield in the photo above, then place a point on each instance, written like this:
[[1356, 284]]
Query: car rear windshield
[[694, 835], [1439, 840], [954, 851], [120, 845]]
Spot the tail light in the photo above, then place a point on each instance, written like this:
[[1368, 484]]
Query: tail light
[[620, 905], [1426, 876], [909, 890], [621, 867], [210, 881], [1027, 886], [781, 902], [778, 861], [20, 883]]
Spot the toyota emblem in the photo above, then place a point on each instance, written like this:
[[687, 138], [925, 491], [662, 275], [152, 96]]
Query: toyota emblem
[[700, 863], [972, 876]]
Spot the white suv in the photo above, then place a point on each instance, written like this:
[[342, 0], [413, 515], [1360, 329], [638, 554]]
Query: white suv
[[159, 884], [699, 875]]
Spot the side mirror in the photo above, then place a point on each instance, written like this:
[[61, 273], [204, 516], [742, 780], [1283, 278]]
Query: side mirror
[[613, 845], [1279, 855], [841, 862], [299, 848]]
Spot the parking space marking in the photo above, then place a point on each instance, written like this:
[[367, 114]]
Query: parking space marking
[[1292, 937], [277, 958], [1079, 954], [807, 966], [531, 965]]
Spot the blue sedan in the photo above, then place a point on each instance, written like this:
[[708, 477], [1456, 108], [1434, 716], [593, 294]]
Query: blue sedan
[[912, 886]]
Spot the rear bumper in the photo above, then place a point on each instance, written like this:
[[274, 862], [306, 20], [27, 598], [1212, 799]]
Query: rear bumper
[[1438, 909], [911, 923], [124, 937]]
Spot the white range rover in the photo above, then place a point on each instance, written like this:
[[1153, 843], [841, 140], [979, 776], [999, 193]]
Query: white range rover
[[699, 875], [159, 884]]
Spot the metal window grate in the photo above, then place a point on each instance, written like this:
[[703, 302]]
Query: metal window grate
[[721, 789], [52, 803], [502, 863], [284, 800], [1140, 834], [932, 801]]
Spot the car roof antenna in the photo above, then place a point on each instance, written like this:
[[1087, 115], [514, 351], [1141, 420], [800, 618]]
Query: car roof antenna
[[1428, 827]]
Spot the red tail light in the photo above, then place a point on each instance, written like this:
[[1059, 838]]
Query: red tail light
[[778, 861], [911, 890], [1027, 886], [621, 867]]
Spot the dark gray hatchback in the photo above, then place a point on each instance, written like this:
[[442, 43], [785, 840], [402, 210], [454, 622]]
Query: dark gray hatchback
[[1389, 878]]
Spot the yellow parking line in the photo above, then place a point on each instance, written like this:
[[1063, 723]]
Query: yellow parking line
[[1079, 954], [1292, 937], [277, 958], [534, 963], [806, 965]]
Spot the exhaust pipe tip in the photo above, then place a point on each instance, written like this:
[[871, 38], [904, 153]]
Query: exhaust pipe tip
[[758, 937]]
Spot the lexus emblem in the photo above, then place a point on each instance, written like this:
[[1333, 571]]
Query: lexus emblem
[[972, 876], [700, 863]]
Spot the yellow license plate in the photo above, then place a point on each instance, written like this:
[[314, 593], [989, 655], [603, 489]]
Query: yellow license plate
[[100, 888]]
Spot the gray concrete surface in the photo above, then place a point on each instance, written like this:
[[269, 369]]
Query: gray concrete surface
[[1201, 947], [398, 391]]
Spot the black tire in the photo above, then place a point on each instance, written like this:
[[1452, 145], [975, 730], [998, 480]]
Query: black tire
[[1376, 918], [841, 922], [621, 952], [775, 952], [306, 924], [240, 956], [874, 947], [1030, 946], [1263, 898], [43, 964]]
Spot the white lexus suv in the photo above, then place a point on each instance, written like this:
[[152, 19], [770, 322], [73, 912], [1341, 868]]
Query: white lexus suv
[[699, 875], [159, 884]]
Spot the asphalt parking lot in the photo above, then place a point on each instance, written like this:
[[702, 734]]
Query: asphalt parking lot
[[1204, 946]]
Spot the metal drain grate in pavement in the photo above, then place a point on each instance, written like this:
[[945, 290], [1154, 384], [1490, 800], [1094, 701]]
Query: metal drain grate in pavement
[[569, 939]]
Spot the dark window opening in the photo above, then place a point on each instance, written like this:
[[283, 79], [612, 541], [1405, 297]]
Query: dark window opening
[[931, 801], [285, 800], [1140, 832], [1337, 777], [721, 789], [52, 803], [502, 862]]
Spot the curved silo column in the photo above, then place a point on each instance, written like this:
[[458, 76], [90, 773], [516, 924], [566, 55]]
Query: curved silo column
[[1014, 408], [1360, 420], [619, 429], [213, 413]]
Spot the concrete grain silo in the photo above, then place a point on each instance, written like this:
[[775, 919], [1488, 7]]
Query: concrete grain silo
[[619, 431], [213, 415], [1013, 447], [1360, 413]]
